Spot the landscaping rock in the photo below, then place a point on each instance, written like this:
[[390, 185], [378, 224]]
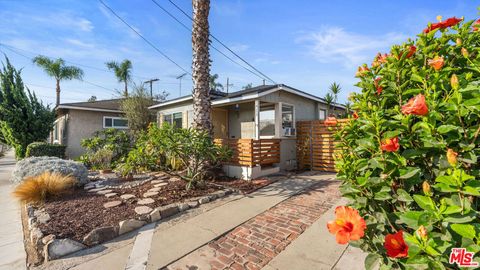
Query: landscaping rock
[[103, 192], [150, 194], [112, 204], [130, 225], [160, 185], [157, 181], [183, 207], [155, 215], [193, 204], [146, 201], [47, 239], [36, 236], [143, 210], [109, 195], [173, 179], [168, 210], [127, 196], [89, 187], [61, 247], [203, 200], [42, 216], [100, 235], [155, 189], [97, 189], [34, 166], [219, 193]]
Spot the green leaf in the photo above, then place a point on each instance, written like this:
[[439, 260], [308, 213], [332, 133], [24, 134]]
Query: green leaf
[[446, 128], [465, 230], [382, 196], [416, 78], [409, 172], [371, 261], [403, 196], [426, 203]]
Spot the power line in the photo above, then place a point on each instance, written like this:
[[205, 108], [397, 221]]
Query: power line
[[215, 48], [225, 46], [145, 39], [77, 64]]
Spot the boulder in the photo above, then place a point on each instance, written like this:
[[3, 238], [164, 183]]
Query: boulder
[[130, 225], [34, 166], [61, 247], [100, 235]]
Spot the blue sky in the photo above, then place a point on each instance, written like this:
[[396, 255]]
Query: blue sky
[[306, 44]]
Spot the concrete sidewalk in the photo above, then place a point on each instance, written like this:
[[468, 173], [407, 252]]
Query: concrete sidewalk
[[12, 251], [317, 249]]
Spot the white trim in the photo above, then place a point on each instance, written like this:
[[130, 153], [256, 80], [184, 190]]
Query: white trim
[[170, 102], [171, 115], [87, 109], [294, 126], [325, 114], [114, 118]]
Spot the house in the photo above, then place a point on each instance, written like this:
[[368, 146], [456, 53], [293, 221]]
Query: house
[[77, 121], [257, 123]]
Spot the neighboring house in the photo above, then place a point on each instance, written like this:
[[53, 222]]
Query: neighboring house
[[258, 122], [77, 121]]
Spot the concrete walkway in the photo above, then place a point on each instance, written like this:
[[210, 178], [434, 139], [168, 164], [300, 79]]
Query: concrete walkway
[[317, 249], [12, 251]]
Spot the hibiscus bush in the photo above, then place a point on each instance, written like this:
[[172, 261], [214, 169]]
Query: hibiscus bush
[[408, 158]]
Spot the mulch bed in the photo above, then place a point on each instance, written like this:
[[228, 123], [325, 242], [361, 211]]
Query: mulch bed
[[75, 214]]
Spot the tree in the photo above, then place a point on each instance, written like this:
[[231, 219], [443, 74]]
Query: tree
[[92, 99], [214, 85], [123, 72], [136, 109], [329, 100], [23, 118], [335, 90], [247, 86], [58, 70], [201, 67]]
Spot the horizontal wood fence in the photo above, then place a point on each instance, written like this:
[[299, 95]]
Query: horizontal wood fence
[[250, 152], [316, 145]]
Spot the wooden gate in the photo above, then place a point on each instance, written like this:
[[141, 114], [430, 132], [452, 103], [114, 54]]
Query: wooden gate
[[316, 145]]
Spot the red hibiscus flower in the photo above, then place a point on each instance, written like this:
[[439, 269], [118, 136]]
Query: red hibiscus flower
[[395, 245], [348, 225], [330, 121], [416, 106], [390, 145], [377, 85], [476, 25], [355, 115], [442, 25], [437, 62], [379, 59], [362, 70], [411, 51]]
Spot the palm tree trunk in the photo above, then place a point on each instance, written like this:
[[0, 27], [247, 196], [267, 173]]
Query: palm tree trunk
[[58, 92], [201, 66], [125, 93]]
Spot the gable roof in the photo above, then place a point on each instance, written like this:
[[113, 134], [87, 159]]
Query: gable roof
[[106, 105], [250, 93]]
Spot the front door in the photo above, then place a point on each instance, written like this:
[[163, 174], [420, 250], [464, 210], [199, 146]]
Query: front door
[[220, 123]]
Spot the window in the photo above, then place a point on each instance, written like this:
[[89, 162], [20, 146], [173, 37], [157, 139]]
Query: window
[[115, 122], [287, 116], [175, 119], [321, 114], [267, 120]]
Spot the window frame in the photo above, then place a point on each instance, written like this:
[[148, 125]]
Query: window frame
[[113, 125], [324, 114], [172, 118], [293, 119]]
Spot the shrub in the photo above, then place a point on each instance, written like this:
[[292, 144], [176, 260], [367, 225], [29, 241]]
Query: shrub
[[409, 162], [36, 189], [34, 166], [118, 141], [102, 159], [38, 149]]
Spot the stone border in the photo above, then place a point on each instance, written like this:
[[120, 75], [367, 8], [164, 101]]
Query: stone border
[[48, 247]]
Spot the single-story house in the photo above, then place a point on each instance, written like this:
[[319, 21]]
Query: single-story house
[[80, 120], [258, 123]]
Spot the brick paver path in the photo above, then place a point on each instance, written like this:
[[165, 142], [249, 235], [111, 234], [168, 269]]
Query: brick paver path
[[253, 244]]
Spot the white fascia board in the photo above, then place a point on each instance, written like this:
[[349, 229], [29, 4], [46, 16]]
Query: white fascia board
[[87, 109], [170, 102]]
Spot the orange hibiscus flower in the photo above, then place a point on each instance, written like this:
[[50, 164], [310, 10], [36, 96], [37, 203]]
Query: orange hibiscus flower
[[476, 25], [355, 115], [390, 145], [377, 85], [330, 121], [348, 225], [442, 25], [395, 245], [452, 157], [411, 51], [362, 70], [437, 62], [416, 106]]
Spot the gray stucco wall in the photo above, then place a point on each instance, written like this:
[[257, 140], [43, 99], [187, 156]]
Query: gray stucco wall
[[244, 116], [81, 125]]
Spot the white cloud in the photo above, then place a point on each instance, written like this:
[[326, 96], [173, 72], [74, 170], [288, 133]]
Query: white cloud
[[79, 43], [239, 47], [334, 44]]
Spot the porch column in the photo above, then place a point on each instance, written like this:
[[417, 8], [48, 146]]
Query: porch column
[[257, 119], [278, 120]]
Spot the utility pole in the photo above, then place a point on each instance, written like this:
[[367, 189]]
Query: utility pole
[[228, 84], [151, 82], [179, 78]]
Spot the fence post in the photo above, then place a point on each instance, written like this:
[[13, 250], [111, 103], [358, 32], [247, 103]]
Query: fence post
[[310, 136]]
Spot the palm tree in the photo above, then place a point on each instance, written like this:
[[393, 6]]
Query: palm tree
[[58, 70], [123, 72], [214, 85], [329, 100], [348, 108], [335, 90], [201, 66]]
